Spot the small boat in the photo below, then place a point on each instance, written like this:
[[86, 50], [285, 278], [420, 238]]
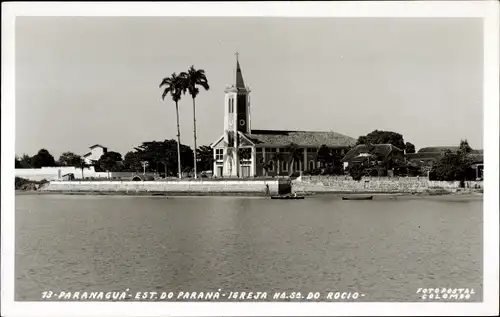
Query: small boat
[[357, 197], [287, 197]]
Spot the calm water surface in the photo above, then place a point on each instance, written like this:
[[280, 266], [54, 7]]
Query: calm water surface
[[385, 248]]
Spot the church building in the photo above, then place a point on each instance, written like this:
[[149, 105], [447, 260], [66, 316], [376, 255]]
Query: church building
[[244, 152]]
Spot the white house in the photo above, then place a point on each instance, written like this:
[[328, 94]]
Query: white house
[[96, 151]]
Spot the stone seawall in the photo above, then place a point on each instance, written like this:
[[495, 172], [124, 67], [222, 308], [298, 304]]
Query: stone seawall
[[199, 187], [323, 184]]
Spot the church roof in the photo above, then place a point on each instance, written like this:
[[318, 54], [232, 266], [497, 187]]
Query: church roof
[[239, 77], [301, 138]]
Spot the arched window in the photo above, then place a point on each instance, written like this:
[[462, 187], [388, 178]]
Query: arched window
[[311, 165]]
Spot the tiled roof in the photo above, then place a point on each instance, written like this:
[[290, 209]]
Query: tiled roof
[[435, 156], [440, 149], [239, 77], [301, 138], [437, 149], [97, 145], [377, 149], [422, 156], [476, 158]]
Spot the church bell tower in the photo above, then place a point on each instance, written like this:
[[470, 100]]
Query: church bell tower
[[236, 119]]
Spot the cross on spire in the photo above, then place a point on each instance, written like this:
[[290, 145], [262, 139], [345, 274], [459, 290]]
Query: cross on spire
[[237, 55]]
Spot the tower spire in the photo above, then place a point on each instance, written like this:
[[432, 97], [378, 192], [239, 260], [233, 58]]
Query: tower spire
[[239, 76]]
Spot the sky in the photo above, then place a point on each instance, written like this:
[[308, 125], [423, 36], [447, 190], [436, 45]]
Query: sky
[[82, 81]]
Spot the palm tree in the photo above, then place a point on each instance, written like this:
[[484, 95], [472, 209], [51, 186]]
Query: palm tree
[[278, 157], [192, 79], [175, 86], [296, 155]]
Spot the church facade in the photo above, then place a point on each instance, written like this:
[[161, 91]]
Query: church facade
[[243, 152]]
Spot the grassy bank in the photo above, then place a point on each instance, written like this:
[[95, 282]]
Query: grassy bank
[[22, 184]]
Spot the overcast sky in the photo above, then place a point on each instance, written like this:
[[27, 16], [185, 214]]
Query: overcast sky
[[87, 80]]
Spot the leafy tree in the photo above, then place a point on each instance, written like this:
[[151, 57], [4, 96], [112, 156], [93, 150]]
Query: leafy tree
[[357, 172], [452, 166], [164, 153], [42, 158], [110, 161], [82, 165], [192, 79], [409, 148], [382, 137], [132, 162], [266, 165], [70, 159], [277, 158], [205, 155], [25, 161], [324, 155], [465, 147], [175, 85], [18, 163]]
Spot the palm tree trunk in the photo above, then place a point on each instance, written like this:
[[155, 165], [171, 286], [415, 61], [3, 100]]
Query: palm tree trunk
[[194, 134], [178, 141]]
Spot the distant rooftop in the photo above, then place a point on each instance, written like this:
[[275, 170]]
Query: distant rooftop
[[440, 149], [98, 145], [382, 150], [301, 138]]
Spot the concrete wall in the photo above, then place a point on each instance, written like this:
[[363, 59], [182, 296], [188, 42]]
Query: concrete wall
[[374, 184], [52, 173], [201, 187], [119, 174]]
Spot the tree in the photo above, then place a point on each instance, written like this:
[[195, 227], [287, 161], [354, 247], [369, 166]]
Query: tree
[[265, 165], [382, 137], [70, 159], [18, 163], [82, 165], [192, 79], [25, 161], [278, 157], [295, 154], [175, 86], [42, 158], [409, 148], [452, 166], [110, 161], [324, 155], [205, 155], [465, 147], [357, 172], [165, 153], [132, 162]]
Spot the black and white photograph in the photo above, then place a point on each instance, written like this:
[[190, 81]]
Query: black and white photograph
[[250, 158]]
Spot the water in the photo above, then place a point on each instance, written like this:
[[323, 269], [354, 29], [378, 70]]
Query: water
[[385, 249]]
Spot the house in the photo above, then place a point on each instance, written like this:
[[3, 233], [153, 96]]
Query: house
[[244, 152], [95, 153], [428, 156], [374, 155]]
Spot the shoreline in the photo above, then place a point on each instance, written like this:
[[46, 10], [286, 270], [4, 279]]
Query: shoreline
[[385, 195]]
